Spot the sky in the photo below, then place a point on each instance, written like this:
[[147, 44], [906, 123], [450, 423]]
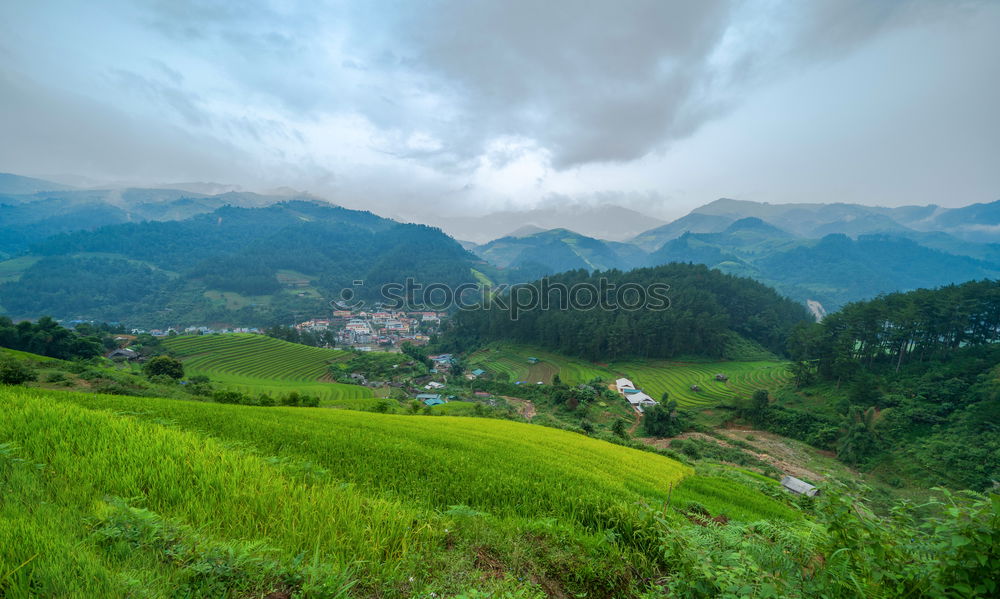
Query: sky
[[464, 107]]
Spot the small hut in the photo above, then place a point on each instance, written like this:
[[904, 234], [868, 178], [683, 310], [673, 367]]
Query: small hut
[[799, 487], [695, 388], [721, 378]]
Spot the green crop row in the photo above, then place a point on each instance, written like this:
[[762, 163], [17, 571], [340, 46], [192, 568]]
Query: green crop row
[[259, 364]]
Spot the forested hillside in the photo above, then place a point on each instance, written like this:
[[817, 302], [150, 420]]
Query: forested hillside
[[238, 265], [707, 309], [910, 385]]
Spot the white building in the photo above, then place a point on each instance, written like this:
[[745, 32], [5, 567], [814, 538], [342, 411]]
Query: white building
[[624, 384]]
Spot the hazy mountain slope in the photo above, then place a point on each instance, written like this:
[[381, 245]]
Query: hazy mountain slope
[[978, 222], [603, 221], [837, 269], [559, 250], [692, 223], [225, 266], [18, 185]]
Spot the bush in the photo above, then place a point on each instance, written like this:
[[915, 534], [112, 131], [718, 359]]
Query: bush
[[164, 365], [15, 372], [162, 379]]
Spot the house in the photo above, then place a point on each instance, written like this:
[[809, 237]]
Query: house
[[532, 360], [721, 378], [434, 385], [481, 394], [123, 354], [430, 399], [622, 384], [799, 487], [695, 388], [639, 400], [479, 372]]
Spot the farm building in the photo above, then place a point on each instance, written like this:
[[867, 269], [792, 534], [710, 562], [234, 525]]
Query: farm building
[[434, 385], [721, 378], [123, 354], [478, 372], [532, 360], [430, 399], [799, 487], [622, 384], [639, 400]]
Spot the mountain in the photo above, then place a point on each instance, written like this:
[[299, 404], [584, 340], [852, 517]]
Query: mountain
[[18, 185], [233, 265], [837, 269], [692, 223], [603, 221], [27, 218], [976, 223], [558, 250]]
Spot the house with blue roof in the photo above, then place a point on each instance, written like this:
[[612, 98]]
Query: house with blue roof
[[430, 399]]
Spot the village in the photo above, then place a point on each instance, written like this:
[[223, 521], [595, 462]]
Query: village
[[387, 330]]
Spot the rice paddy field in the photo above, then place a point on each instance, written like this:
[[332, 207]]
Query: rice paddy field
[[513, 361], [117, 496], [654, 376], [260, 364], [676, 378]]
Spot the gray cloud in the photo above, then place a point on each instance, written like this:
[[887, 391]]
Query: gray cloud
[[406, 100]]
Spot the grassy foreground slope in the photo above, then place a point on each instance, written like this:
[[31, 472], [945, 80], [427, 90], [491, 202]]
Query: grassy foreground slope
[[120, 496], [260, 364]]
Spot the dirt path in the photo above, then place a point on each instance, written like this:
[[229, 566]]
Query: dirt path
[[772, 448], [635, 425]]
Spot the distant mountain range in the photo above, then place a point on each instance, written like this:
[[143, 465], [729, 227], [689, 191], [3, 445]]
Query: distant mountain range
[[235, 258], [614, 223], [235, 252], [827, 253]]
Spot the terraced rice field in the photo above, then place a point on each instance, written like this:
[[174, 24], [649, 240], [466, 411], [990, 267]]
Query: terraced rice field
[[676, 378], [653, 376], [513, 360], [261, 364]]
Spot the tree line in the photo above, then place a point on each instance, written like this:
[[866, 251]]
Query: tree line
[[705, 308]]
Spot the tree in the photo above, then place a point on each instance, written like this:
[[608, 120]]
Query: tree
[[164, 365], [757, 407], [663, 420], [15, 372], [619, 428], [861, 436]]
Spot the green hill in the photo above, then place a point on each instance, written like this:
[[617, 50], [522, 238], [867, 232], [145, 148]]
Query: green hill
[[228, 266], [121, 496], [261, 364]]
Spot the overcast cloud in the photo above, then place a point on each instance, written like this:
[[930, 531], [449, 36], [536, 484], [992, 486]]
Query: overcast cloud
[[465, 107]]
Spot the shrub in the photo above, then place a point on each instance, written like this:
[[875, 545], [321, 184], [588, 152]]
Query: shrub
[[164, 365], [15, 372]]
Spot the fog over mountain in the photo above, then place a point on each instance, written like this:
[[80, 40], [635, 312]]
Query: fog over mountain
[[454, 109]]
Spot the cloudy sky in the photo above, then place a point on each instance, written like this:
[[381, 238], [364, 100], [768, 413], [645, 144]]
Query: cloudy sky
[[463, 107]]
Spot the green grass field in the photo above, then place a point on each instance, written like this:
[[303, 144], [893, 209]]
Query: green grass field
[[261, 364], [116, 496], [653, 376]]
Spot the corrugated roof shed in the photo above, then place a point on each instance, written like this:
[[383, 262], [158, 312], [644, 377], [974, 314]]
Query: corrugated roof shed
[[799, 487]]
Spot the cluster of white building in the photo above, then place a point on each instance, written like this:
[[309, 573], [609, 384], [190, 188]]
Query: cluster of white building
[[635, 397], [363, 327]]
